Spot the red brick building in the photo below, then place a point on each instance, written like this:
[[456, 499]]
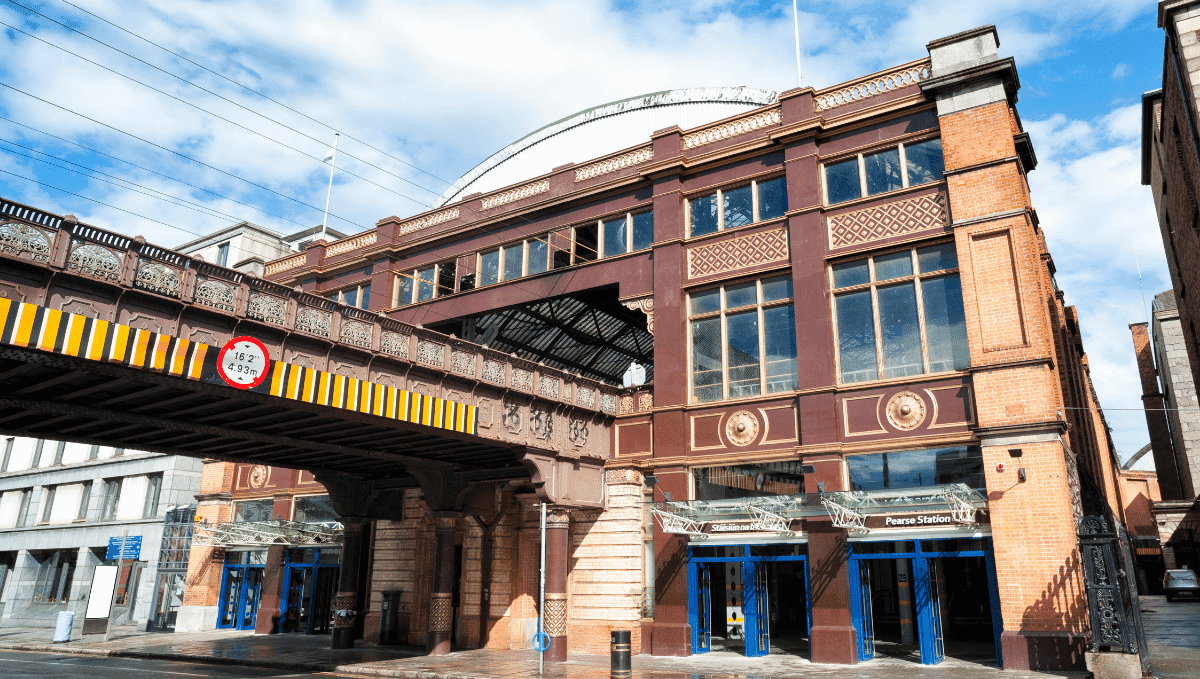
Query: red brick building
[[866, 422]]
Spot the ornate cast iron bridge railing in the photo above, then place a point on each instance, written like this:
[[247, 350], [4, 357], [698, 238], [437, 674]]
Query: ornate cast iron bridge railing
[[511, 401]]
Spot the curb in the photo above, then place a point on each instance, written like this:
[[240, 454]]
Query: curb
[[244, 662]]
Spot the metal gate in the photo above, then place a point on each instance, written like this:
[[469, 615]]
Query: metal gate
[[1111, 584]]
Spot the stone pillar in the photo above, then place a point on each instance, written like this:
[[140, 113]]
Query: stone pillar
[[441, 595], [345, 602], [554, 609], [268, 621], [833, 638]]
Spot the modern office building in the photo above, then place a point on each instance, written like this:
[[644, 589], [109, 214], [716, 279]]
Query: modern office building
[[63, 504]]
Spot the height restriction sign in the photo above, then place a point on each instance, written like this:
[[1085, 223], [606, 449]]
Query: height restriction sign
[[243, 362]]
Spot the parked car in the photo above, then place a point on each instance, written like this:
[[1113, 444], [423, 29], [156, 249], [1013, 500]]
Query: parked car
[[1180, 582]]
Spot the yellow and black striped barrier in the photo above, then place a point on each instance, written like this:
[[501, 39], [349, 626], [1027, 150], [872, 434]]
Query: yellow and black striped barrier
[[36, 327]]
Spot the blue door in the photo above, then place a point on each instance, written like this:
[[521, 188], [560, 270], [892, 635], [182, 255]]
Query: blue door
[[703, 606], [927, 595], [757, 607], [865, 613]]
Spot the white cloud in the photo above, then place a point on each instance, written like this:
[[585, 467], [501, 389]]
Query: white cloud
[[442, 86], [1120, 71], [1099, 224]]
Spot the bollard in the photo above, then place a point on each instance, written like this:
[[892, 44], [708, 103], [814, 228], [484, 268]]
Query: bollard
[[622, 656]]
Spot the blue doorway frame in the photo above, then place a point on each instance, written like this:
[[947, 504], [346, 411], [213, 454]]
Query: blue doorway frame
[[241, 587], [923, 554], [756, 597]]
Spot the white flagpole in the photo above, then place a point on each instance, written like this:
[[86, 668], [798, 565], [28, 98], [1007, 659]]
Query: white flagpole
[[332, 163], [796, 25]]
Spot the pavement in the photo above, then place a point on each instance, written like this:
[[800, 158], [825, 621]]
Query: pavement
[[1173, 630]]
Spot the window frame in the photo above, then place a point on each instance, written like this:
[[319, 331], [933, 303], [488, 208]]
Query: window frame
[[48, 495], [54, 577], [85, 500], [722, 314], [339, 295], [862, 169], [153, 496], [112, 489], [756, 216], [873, 285]]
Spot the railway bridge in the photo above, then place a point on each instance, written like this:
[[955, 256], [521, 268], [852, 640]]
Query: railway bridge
[[114, 341]]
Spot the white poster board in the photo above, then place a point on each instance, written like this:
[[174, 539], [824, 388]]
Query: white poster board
[[104, 582]]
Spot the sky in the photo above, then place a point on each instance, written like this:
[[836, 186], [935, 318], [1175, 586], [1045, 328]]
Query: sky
[[98, 121]]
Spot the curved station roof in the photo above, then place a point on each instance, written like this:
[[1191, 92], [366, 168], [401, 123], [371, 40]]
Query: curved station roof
[[603, 129]]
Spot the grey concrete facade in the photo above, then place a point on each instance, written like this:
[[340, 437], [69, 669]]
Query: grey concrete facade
[[1183, 408], [247, 247], [64, 500]]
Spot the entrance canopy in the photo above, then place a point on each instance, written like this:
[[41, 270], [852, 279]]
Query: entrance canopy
[[266, 533], [782, 514]]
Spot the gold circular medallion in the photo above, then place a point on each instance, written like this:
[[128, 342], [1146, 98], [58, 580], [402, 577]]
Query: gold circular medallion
[[742, 428], [258, 476], [906, 411]]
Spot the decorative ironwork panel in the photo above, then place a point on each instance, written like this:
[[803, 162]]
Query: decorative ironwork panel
[[586, 397], [522, 379], [266, 308], [1111, 593], [555, 624], [158, 278], [93, 260], [493, 371], [431, 353], [313, 321], [394, 343], [215, 294], [18, 238], [357, 333], [462, 363], [548, 387], [608, 403]]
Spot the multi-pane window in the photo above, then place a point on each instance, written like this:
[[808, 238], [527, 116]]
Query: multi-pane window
[[223, 254], [112, 497], [23, 512], [313, 509], [85, 498], [916, 468], [583, 243], [867, 174], [424, 283], [54, 576], [153, 490], [738, 206], [254, 510], [48, 503], [743, 338], [899, 314]]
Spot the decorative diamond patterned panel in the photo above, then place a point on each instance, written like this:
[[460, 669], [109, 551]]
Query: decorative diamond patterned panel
[[738, 253], [887, 221]]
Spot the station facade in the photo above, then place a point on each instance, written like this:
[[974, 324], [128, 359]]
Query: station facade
[[866, 424]]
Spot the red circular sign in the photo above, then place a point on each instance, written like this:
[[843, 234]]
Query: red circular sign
[[243, 362]]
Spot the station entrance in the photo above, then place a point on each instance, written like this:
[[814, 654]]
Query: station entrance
[[751, 599], [922, 600], [918, 600]]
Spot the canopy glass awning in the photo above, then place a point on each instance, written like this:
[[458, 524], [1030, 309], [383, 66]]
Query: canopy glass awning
[[267, 533], [847, 509]]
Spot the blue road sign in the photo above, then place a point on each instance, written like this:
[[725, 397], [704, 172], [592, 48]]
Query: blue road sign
[[133, 548]]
